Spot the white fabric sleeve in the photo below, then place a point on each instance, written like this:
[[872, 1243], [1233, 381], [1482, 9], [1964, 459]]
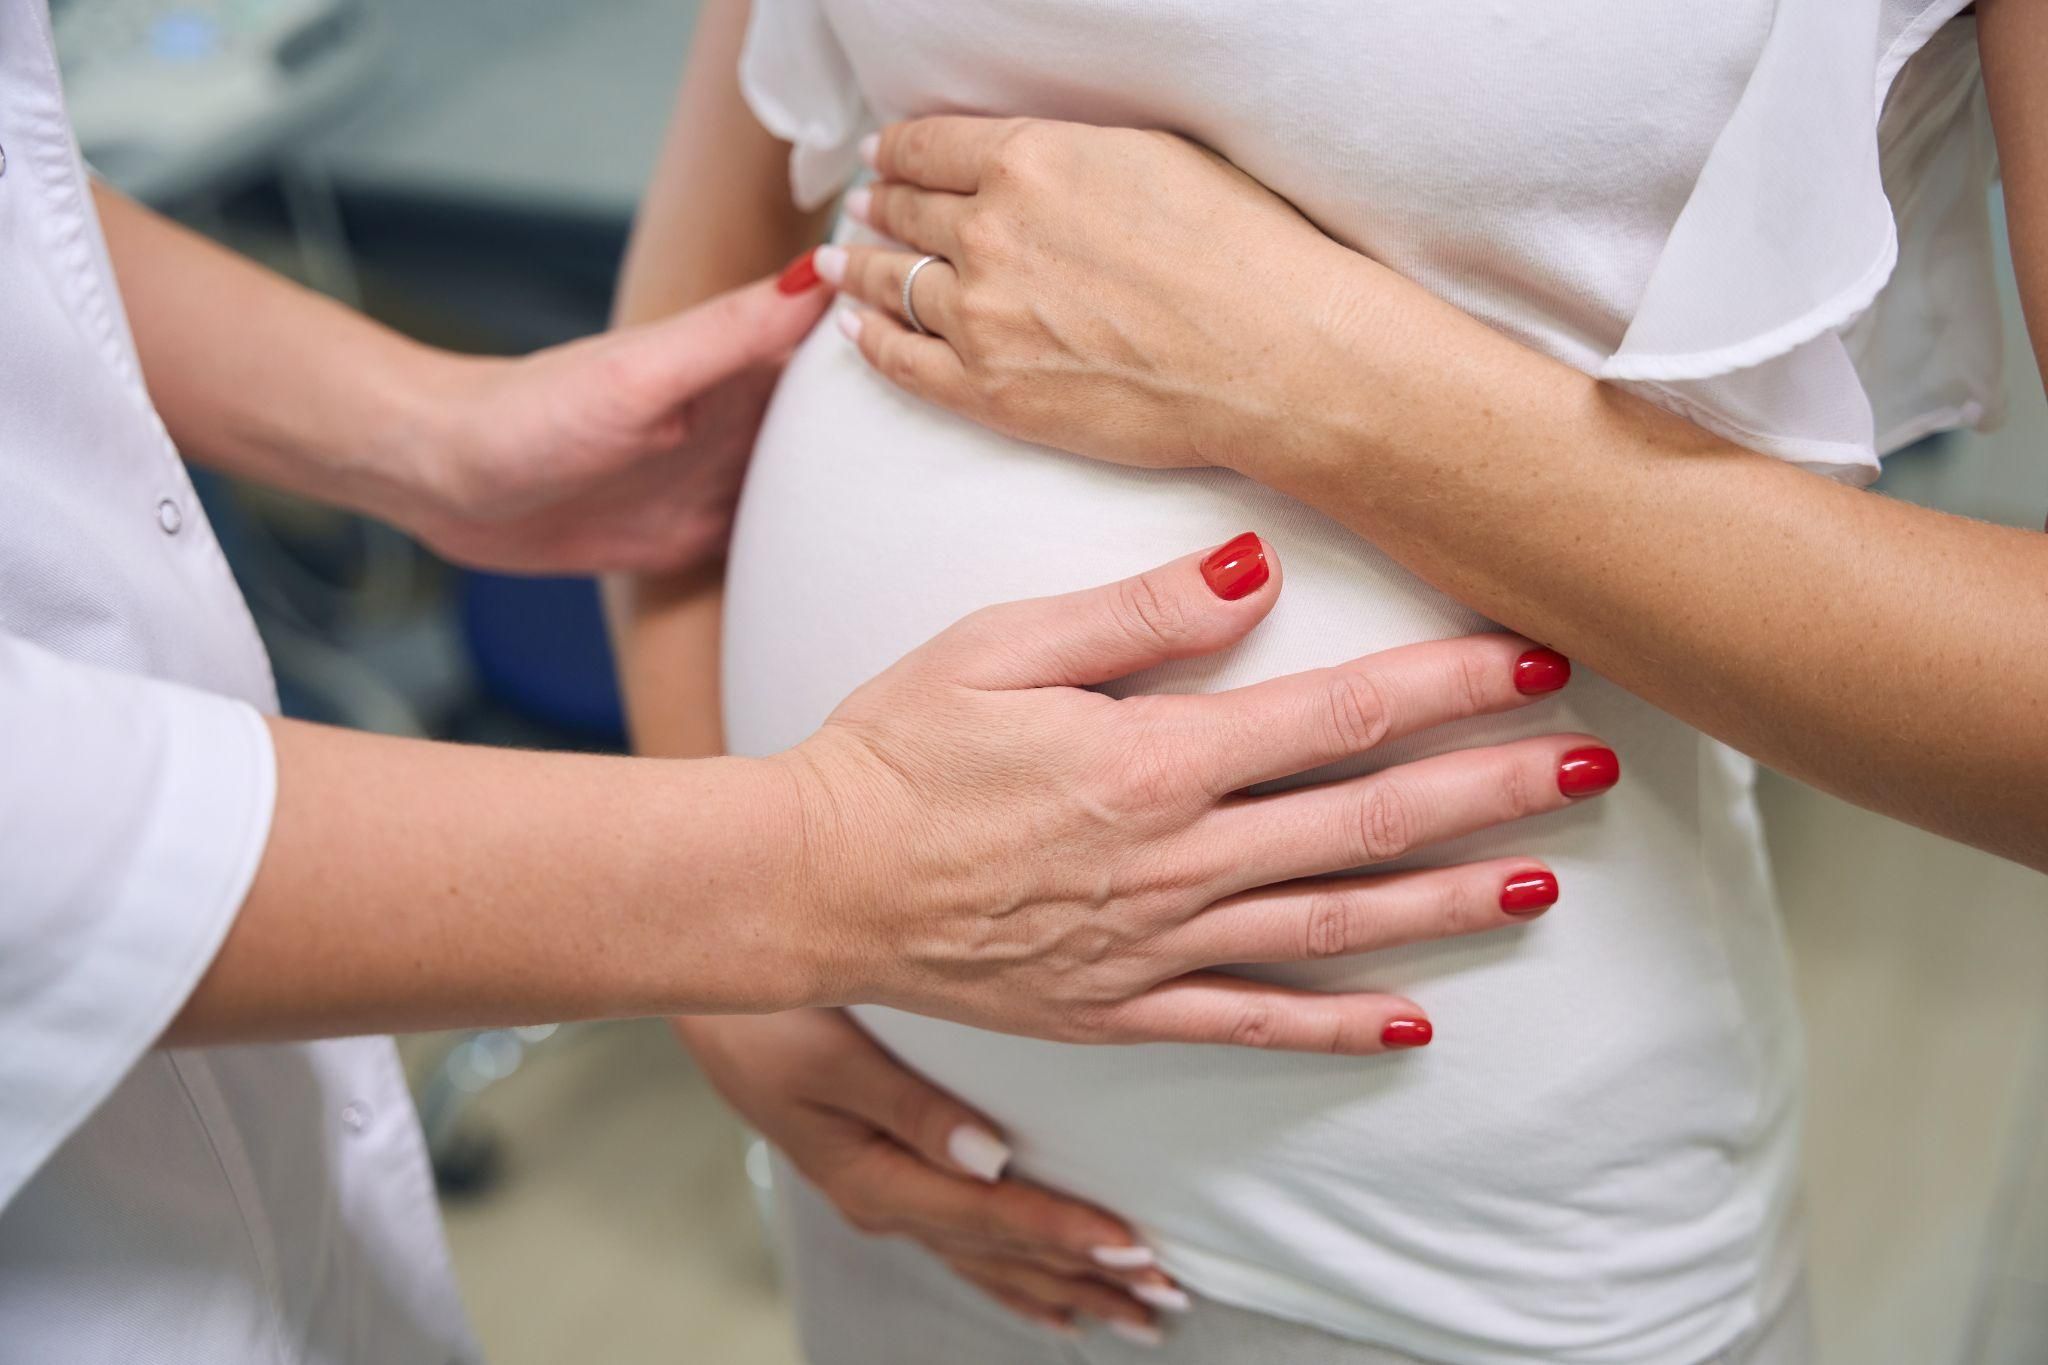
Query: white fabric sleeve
[[797, 80], [133, 814]]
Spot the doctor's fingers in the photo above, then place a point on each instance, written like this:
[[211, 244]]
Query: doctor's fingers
[[1388, 815], [1301, 721], [1339, 916]]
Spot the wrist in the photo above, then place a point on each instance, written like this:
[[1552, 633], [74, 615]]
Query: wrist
[[418, 466]]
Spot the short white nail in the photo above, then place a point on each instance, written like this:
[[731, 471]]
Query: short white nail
[[1124, 1258], [1139, 1333], [849, 323], [856, 204], [1162, 1296], [830, 263], [978, 1150], [870, 148]]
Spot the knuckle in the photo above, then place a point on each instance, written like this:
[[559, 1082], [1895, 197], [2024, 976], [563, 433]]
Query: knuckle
[[1023, 150], [1360, 716], [1255, 1024], [1476, 681], [981, 233], [1389, 821], [1520, 793], [1330, 925], [909, 148], [1153, 613]]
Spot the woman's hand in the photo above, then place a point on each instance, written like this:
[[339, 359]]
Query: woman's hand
[[899, 1157], [992, 844], [1053, 321], [623, 451]]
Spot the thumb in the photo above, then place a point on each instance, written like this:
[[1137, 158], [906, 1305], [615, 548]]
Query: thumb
[[873, 1086], [756, 324], [1196, 605]]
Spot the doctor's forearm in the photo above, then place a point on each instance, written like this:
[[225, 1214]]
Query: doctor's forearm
[[260, 377], [411, 885]]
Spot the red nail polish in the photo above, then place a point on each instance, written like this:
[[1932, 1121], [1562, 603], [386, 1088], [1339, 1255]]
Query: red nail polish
[[1528, 893], [1238, 568], [802, 274], [1588, 772], [1541, 670], [1406, 1033]]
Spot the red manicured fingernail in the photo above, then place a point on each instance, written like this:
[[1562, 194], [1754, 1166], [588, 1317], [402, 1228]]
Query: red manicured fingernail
[[1406, 1033], [802, 274], [1588, 772], [1529, 893], [1541, 670], [1238, 568]]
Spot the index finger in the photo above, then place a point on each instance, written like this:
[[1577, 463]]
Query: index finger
[[944, 152]]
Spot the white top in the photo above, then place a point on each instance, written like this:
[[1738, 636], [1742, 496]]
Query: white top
[[1595, 1162], [253, 1204], [1762, 218]]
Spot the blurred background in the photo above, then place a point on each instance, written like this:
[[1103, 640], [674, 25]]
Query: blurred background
[[465, 170]]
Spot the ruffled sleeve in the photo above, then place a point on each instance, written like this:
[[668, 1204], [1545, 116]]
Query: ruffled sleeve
[[1827, 291], [796, 78]]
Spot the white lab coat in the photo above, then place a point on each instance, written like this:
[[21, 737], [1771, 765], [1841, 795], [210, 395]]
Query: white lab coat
[[267, 1204]]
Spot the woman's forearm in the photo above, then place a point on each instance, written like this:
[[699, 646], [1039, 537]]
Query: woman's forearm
[[1884, 652], [412, 885], [717, 212]]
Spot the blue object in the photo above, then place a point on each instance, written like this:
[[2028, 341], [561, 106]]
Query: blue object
[[539, 647], [184, 36]]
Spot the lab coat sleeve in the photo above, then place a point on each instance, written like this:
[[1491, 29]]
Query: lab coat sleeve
[[133, 814]]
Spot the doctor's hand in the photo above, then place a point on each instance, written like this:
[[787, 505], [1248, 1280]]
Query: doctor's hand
[[623, 451], [986, 841], [899, 1157]]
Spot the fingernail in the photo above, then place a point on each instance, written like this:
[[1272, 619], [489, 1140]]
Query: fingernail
[[1540, 670], [830, 263], [849, 323], [870, 148], [1124, 1258], [1588, 771], [1162, 1296], [856, 205], [1139, 1333], [1406, 1033], [1238, 568], [801, 274], [979, 1151], [1529, 893]]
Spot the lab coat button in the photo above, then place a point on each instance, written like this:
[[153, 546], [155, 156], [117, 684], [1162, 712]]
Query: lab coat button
[[355, 1116], [169, 517], [3, 161]]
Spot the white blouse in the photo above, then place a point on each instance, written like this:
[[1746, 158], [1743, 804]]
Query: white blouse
[[1822, 292]]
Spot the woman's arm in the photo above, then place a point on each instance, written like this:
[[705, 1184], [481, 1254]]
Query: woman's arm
[[717, 212], [1884, 652], [900, 855], [612, 452]]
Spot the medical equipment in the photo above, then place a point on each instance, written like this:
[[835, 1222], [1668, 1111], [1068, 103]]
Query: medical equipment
[[173, 97]]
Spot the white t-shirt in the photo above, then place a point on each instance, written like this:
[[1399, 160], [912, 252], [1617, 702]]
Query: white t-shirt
[[1595, 1162]]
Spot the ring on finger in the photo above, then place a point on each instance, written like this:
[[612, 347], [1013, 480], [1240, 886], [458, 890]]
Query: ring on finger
[[909, 308]]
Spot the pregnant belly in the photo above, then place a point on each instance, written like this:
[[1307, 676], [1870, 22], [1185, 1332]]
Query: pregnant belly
[[1607, 1105]]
